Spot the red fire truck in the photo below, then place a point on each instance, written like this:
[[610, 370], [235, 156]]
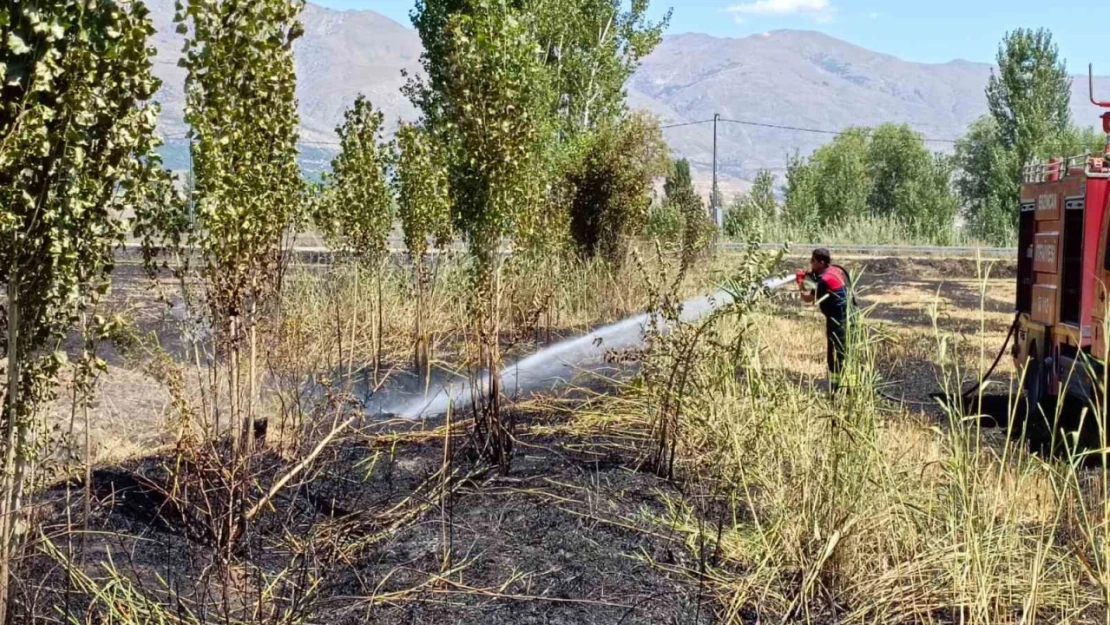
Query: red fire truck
[[1063, 274]]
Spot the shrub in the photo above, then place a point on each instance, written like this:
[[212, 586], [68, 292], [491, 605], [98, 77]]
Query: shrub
[[612, 185]]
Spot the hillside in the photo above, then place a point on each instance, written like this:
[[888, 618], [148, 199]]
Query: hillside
[[796, 78]]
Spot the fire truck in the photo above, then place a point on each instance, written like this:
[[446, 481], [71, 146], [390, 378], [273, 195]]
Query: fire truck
[[1063, 274]]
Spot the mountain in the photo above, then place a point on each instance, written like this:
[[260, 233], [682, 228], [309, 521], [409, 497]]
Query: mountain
[[799, 79], [342, 54], [806, 80]]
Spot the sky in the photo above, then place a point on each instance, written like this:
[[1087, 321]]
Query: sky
[[933, 31]]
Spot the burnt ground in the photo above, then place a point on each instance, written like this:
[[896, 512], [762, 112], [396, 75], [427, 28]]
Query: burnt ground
[[576, 533], [571, 535]]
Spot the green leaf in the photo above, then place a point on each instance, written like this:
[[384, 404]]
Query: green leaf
[[16, 44]]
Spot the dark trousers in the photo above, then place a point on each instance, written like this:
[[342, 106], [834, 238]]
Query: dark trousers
[[836, 346]]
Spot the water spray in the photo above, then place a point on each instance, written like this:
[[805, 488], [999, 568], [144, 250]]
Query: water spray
[[558, 363]]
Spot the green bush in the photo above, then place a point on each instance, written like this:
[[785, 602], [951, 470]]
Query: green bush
[[881, 175], [755, 209], [664, 222], [612, 185], [682, 219]]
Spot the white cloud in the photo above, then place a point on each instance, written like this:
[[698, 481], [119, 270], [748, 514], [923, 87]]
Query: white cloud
[[820, 10]]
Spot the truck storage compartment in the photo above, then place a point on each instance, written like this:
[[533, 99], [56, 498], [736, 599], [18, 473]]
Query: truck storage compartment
[[1027, 227], [1071, 292], [1046, 302]]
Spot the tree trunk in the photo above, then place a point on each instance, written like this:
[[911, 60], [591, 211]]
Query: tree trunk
[[504, 429], [381, 327], [498, 433], [336, 297], [7, 493], [233, 389], [354, 328], [421, 357], [88, 474], [420, 347], [590, 95], [252, 385], [445, 499], [236, 440]]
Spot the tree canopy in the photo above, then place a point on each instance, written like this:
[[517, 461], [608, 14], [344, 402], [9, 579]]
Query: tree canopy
[[1028, 98], [885, 173]]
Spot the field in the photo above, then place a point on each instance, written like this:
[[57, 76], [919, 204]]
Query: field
[[132, 408], [497, 362], [882, 505]]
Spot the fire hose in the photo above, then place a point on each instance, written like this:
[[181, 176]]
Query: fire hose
[[983, 380], [998, 359]]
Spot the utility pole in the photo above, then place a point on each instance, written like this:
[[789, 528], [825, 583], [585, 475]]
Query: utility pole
[[713, 201]]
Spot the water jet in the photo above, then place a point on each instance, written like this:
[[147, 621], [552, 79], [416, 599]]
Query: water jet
[[555, 365]]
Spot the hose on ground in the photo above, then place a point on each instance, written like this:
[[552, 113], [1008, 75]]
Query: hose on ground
[[979, 384], [998, 359]]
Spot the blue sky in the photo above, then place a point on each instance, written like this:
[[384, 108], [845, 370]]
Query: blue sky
[[933, 31]]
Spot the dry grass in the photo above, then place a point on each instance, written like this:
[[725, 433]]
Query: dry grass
[[807, 507], [794, 506], [329, 326]]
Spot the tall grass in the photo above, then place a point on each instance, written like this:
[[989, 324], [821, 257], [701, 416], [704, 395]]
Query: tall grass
[[328, 312], [868, 231], [811, 507]]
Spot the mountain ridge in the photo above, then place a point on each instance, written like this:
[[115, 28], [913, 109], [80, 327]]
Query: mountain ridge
[[800, 78]]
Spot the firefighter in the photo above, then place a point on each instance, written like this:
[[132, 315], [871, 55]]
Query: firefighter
[[828, 285]]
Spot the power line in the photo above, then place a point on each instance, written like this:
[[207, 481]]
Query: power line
[[812, 130], [781, 127], [686, 123], [819, 131]]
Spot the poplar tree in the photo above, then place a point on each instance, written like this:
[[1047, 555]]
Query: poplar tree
[[1030, 94], [76, 156], [424, 205], [1029, 101], [592, 48], [495, 99], [755, 210], [588, 48], [511, 87], [357, 210], [357, 214], [242, 112]]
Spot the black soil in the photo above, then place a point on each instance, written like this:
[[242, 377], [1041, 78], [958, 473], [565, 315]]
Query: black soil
[[574, 534]]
